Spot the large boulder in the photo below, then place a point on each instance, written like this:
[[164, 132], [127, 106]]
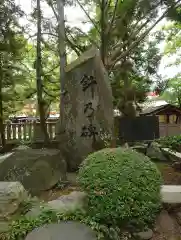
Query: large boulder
[[70, 202], [20, 148], [173, 156], [155, 152], [36, 169], [146, 235], [11, 195], [140, 148], [66, 203], [63, 231]]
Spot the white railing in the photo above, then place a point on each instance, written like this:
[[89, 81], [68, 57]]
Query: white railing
[[27, 131]]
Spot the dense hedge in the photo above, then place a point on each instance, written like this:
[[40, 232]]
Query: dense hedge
[[172, 142], [123, 187]]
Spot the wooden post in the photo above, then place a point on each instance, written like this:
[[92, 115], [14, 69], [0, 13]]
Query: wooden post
[[8, 128], [14, 130], [30, 131], [50, 130], [19, 132], [24, 131]]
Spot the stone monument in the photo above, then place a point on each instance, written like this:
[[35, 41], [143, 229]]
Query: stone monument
[[88, 108]]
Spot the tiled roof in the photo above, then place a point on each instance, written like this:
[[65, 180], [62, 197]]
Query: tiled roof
[[152, 109]]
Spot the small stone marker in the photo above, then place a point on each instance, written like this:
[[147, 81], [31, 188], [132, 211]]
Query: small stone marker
[[62, 231], [88, 108]]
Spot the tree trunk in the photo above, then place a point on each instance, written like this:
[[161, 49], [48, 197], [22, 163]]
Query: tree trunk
[[179, 99], [2, 132], [41, 103], [103, 31], [103, 50], [62, 52]]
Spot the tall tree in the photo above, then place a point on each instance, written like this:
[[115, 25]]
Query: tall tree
[[118, 30], [62, 52], [137, 19], [50, 58], [11, 44], [41, 103], [3, 140]]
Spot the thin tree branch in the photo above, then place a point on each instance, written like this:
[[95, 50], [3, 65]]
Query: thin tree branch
[[113, 18], [46, 77], [28, 96], [47, 110], [44, 33], [73, 46], [147, 13], [133, 34], [51, 34], [49, 80], [92, 21], [51, 69], [135, 43], [103, 19], [50, 95], [91, 40], [50, 3], [47, 45]]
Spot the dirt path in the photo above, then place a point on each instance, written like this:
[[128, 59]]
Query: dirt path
[[170, 176], [167, 227]]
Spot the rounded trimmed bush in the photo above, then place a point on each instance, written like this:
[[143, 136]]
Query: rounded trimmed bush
[[123, 187]]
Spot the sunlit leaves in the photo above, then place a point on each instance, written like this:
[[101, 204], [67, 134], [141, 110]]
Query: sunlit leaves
[[172, 93], [173, 38], [12, 49]]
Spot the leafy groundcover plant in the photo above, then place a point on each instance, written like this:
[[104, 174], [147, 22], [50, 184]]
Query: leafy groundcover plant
[[172, 142], [123, 188], [22, 226]]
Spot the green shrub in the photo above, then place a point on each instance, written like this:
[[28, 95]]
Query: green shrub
[[22, 226], [172, 142], [123, 187]]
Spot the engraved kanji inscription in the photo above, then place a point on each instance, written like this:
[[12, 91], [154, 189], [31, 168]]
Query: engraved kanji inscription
[[89, 131], [87, 81], [88, 109]]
